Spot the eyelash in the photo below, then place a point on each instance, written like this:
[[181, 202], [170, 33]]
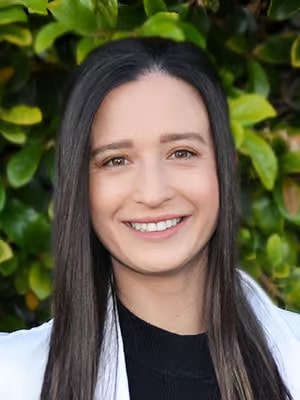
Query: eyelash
[[188, 154], [109, 162]]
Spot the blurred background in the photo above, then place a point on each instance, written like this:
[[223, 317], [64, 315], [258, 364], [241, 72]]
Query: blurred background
[[255, 46]]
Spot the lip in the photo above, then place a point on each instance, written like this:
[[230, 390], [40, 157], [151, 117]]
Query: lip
[[159, 235], [148, 220]]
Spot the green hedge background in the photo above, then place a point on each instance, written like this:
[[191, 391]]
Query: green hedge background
[[256, 48]]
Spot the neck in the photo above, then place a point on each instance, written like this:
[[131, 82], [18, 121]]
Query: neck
[[172, 302]]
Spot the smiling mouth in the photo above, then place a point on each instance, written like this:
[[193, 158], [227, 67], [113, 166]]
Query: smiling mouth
[[155, 226]]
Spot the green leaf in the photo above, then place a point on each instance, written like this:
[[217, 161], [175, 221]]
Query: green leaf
[[40, 281], [249, 109], [48, 261], [247, 244], [290, 163], [292, 288], [16, 35], [26, 227], [287, 197], [193, 35], [21, 281], [23, 115], [258, 78], [36, 6], [90, 4], [12, 14], [245, 236], [274, 252], [238, 43], [154, 6], [238, 133], [227, 79], [107, 12], [266, 215], [276, 49], [23, 165], [11, 323], [2, 195], [5, 251], [85, 46], [263, 158], [163, 24], [281, 10], [12, 133], [119, 35], [295, 53], [289, 249], [51, 210], [282, 271], [9, 3], [8, 267], [47, 35], [74, 15]]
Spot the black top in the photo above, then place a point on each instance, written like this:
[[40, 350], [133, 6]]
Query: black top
[[165, 366]]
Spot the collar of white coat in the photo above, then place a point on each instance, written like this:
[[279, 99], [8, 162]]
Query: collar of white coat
[[281, 327]]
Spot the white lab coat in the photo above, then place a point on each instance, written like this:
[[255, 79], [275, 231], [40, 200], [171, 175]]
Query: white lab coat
[[23, 354]]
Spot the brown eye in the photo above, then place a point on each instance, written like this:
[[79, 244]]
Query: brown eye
[[183, 154], [115, 162]]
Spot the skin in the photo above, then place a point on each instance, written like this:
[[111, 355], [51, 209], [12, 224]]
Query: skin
[[155, 173]]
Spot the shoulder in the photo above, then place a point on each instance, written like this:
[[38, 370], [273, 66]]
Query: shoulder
[[282, 330], [266, 310], [293, 321], [23, 357]]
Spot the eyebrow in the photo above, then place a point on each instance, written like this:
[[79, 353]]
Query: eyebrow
[[172, 137], [165, 138]]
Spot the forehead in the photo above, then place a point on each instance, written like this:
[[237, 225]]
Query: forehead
[[154, 104]]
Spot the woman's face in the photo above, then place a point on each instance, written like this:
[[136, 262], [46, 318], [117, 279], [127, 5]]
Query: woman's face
[[154, 194]]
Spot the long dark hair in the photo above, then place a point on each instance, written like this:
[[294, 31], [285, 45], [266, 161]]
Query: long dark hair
[[244, 365]]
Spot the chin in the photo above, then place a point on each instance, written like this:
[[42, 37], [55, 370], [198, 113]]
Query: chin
[[155, 268], [154, 271]]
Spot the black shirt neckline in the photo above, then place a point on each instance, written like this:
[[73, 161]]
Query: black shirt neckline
[[164, 351]]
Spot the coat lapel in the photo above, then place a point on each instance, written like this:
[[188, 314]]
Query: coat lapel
[[282, 329], [112, 381]]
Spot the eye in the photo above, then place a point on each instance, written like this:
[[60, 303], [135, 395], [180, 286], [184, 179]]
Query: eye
[[115, 162], [183, 154]]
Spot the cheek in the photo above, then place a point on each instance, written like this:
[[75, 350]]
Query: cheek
[[203, 188], [99, 199], [102, 208], [106, 196]]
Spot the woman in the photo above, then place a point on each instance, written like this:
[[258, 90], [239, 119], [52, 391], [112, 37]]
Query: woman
[[148, 301]]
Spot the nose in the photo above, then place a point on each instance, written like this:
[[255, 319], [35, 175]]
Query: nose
[[153, 185]]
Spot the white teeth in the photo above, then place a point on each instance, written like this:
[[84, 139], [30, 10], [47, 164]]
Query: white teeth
[[161, 226], [155, 227], [151, 227], [169, 223]]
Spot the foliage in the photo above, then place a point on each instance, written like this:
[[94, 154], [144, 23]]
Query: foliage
[[256, 49]]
